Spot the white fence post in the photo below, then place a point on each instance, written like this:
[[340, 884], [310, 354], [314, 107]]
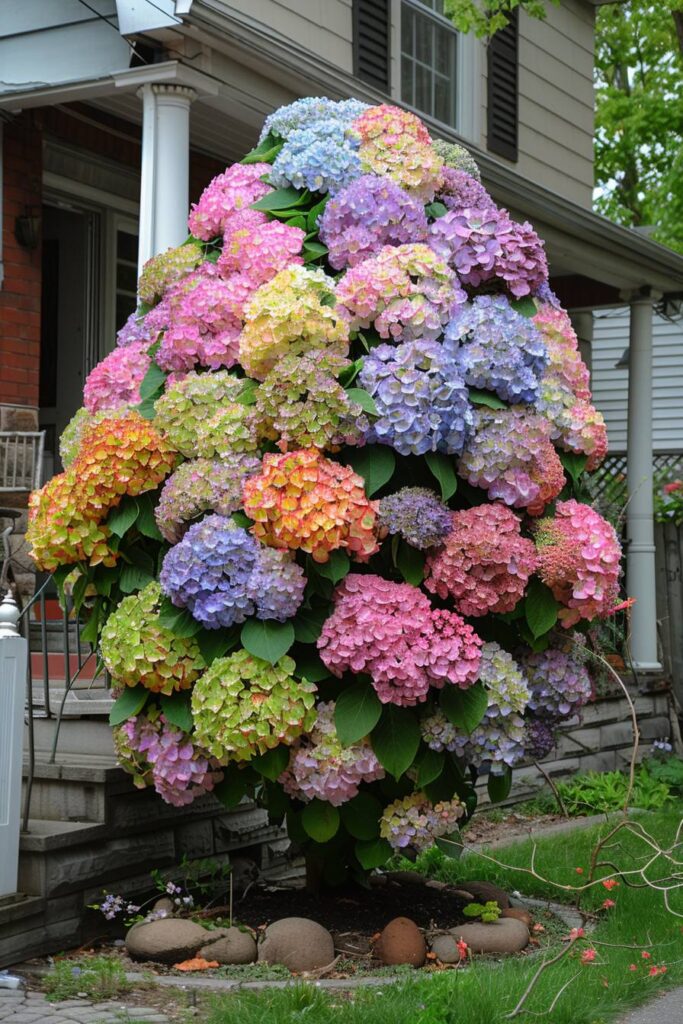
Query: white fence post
[[13, 665]]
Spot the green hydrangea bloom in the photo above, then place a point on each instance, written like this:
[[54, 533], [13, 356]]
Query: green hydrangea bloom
[[457, 157], [166, 268], [188, 404]]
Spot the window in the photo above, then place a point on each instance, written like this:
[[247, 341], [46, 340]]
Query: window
[[126, 276], [429, 48]]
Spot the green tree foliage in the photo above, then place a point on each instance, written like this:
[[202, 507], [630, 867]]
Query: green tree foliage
[[485, 17]]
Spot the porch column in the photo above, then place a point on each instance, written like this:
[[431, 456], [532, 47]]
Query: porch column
[[165, 170], [639, 510]]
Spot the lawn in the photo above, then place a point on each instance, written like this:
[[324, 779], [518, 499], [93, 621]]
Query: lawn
[[597, 991]]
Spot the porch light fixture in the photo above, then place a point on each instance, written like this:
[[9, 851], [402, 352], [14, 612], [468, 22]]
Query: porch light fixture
[[27, 230]]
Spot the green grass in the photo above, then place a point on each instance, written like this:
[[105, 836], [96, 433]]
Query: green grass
[[485, 992], [99, 978]]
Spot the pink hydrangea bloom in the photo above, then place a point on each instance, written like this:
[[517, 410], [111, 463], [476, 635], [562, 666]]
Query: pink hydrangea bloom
[[565, 362], [484, 563], [259, 248], [229, 192], [395, 143], [579, 558], [390, 631], [116, 380]]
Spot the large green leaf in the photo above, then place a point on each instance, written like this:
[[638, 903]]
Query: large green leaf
[[395, 739], [214, 643], [176, 707], [540, 608], [486, 398], [364, 399], [272, 764], [524, 306], [335, 568], [153, 382], [177, 620], [122, 517], [146, 522], [310, 667], [372, 853], [280, 199], [267, 639], [361, 816], [430, 766], [410, 563], [375, 463], [308, 624], [452, 845], [313, 251], [134, 578], [248, 392], [356, 713], [127, 704], [443, 468], [499, 786], [320, 820], [464, 708], [574, 464]]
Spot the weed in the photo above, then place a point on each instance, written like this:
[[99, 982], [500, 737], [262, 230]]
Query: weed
[[99, 978]]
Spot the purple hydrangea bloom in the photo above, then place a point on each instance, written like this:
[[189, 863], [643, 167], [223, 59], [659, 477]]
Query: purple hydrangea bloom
[[500, 350], [469, 241], [420, 396], [202, 485], [461, 191], [368, 214], [560, 684], [133, 330], [321, 157], [417, 514], [539, 739], [545, 294], [221, 574]]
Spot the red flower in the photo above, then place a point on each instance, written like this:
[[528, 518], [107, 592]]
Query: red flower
[[610, 883], [633, 967], [608, 904], [579, 871], [645, 955], [463, 948], [588, 956], [676, 485], [576, 933]]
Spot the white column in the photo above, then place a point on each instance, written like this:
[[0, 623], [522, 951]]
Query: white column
[[639, 511], [165, 170], [13, 655]]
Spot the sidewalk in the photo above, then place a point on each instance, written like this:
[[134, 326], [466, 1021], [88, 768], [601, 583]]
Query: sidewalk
[[19, 1007], [667, 1009]]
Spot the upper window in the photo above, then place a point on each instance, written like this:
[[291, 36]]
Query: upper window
[[429, 44]]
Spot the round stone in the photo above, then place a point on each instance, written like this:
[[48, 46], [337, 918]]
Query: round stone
[[401, 942], [232, 946], [298, 943], [168, 940], [507, 935], [483, 892], [520, 914], [444, 947]]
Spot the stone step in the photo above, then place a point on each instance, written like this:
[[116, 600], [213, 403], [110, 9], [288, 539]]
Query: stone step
[[82, 733]]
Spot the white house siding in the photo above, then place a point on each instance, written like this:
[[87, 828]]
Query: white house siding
[[610, 385]]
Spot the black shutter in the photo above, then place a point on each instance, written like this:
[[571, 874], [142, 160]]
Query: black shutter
[[502, 89], [371, 42]]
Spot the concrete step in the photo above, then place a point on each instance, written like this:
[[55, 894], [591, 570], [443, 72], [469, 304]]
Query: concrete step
[[80, 733]]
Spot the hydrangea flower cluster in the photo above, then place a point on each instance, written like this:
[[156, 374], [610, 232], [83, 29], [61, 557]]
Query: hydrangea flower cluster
[[259, 248], [320, 768], [457, 158], [395, 143], [420, 396], [390, 632], [367, 215], [415, 822], [133, 330], [166, 269], [509, 454], [438, 732], [576, 426], [117, 379], [233, 190], [404, 292], [242, 706], [301, 500], [220, 573], [309, 110], [231, 430], [302, 405], [117, 456], [417, 515], [461, 191], [579, 558], [82, 420], [539, 738], [322, 157], [498, 349], [179, 771], [559, 684], [138, 650], [198, 486], [564, 359], [291, 315], [184, 409], [484, 563]]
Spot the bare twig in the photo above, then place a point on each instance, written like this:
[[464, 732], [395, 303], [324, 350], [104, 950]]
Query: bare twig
[[555, 790], [534, 981]]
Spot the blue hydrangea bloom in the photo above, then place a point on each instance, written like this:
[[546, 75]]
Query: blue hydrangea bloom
[[417, 514], [321, 157], [222, 575], [497, 349], [307, 111], [421, 398]]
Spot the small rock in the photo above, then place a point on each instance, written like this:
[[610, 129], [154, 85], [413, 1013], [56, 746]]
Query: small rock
[[168, 940], [484, 891], [233, 946], [401, 942], [164, 904], [298, 943], [503, 936], [520, 914], [445, 949]]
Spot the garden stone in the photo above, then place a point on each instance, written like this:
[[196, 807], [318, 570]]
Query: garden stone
[[503, 936], [168, 940], [520, 914], [482, 892], [165, 904], [298, 943], [401, 942], [232, 947], [445, 948]]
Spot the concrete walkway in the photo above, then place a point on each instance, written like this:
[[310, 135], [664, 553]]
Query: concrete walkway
[[667, 1009], [19, 1007]]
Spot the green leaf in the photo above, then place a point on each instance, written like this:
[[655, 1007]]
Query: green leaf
[[361, 816], [176, 707], [320, 820], [177, 620], [430, 766], [499, 786], [295, 829], [574, 464], [540, 608], [314, 213], [464, 708], [375, 463], [310, 667], [248, 393], [133, 578], [410, 563], [243, 520], [356, 713], [486, 398], [436, 210], [122, 517], [153, 382], [373, 853], [396, 738], [452, 845], [90, 631], [525, 306], [267, 639], [214, 643], [335, 568], [147, 409], [233, 787], [272, 764], [314, 251], [308, 624], [280, 199], [265, 152], [297, 221], [442, 468], [364, 399], [127, 704], [347, 376], [146, 522]]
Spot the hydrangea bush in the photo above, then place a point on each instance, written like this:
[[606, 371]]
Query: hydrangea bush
[[323, 508]]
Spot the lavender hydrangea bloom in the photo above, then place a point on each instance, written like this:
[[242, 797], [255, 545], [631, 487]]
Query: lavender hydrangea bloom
[[500, 350], [545, 294], [469, 241], [461, 191], [220, 573], [202, 485], [420, 396], [539, 739], [417, 514], [132, 331], [368, 214], [437, 732], [560, 684], [321, 157], [307, 111]]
